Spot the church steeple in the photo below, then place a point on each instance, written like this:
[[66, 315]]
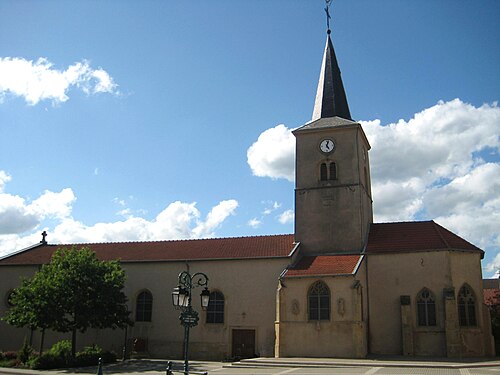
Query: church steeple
[[331, 99]]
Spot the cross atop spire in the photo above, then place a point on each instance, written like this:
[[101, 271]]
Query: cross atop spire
[[331, 99], [327, 10]]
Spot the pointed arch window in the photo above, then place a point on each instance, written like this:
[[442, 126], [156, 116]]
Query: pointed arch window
[[144, 306], [328, 171], [215, 309], [426, 308], [319, 301], [466, 307]]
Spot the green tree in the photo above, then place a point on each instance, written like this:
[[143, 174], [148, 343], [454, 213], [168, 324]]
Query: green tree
[[34, 305], [72, 293]]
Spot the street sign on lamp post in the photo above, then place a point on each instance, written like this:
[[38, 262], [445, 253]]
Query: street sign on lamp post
[[181, 299]]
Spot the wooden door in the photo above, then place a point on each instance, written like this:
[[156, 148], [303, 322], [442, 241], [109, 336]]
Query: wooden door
[[243, 343]]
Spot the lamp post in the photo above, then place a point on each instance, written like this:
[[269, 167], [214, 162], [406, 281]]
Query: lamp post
[[181, 299]]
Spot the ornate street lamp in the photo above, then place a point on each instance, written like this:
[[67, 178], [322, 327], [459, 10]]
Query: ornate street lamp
[[181, 299]]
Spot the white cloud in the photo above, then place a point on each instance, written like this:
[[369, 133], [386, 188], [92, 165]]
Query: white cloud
[[286, 217], [271, 207], [39, 80], [177, 221], [4, 178], [273, 154], [494, 266], [442, 164], [254, 223], [17, 216], [215, 218]]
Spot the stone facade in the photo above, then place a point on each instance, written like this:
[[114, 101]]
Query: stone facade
[[341, 286]]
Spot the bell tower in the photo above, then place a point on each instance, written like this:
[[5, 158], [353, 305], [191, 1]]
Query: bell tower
[[333, 205]]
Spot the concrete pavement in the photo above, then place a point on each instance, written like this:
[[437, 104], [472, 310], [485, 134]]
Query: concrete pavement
[[414, 362], [156, 366]]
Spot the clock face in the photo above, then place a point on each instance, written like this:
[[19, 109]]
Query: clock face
[[327, 146]]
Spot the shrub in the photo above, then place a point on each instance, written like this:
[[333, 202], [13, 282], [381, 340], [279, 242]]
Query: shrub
[[10, 355], [90, 355], [47, 361], [25, 353], [59, 355], [61, 349]]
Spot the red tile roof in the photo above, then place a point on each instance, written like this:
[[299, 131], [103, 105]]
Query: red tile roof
[[414, 236], [323, 265], [154, 251]]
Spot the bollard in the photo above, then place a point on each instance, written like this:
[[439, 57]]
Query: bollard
[[169, 368], [99, 367]]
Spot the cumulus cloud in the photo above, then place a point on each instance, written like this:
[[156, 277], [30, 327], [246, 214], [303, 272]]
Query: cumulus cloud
[[21, 221], [442, 164], [286, 217], [17, 216], [254, 223], [270, 207], [4, 178], [273, 154], [39, 80], [494, 266]]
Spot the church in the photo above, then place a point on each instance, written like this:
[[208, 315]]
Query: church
[[339, 286]]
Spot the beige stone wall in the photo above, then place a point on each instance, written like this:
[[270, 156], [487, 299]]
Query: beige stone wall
[[10, 277], [249, 287], [391, 276], [467, 270], [344, 335], [326, 210]]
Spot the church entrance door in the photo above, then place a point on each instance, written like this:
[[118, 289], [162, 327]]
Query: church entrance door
[[243, 343]]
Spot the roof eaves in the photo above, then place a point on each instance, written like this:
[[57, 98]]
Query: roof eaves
[[201, 259], [23, 250], [295, 248], [360, 260], [320, 275]]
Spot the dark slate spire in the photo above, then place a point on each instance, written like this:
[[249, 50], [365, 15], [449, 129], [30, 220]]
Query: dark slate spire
[[331, 100]]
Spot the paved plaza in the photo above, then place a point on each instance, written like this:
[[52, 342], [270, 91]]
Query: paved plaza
[[296, 366]]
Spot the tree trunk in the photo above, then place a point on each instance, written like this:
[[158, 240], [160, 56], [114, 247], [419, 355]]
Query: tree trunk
[[73, 343], [42, 339]]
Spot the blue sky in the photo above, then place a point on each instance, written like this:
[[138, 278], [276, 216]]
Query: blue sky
[[150, 120]]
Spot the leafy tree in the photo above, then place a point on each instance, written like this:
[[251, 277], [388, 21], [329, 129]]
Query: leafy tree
[[494, 305], [34, 305], [74, 292]]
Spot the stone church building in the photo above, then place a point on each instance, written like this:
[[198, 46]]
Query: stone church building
[[340, 286]]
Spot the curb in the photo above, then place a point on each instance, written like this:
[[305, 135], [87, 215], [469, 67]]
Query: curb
[[260, 363]]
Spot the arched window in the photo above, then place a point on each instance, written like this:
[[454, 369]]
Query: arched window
[[319, 301], [333, 171], [323, 171], [144, 306], [215, 309], [327, 171], [466, 307], [426, 308]]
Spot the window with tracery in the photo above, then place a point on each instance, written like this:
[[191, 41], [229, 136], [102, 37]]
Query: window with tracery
[[215, 309], [426, 308], [144, 307], [319, 301], [466, 307]]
